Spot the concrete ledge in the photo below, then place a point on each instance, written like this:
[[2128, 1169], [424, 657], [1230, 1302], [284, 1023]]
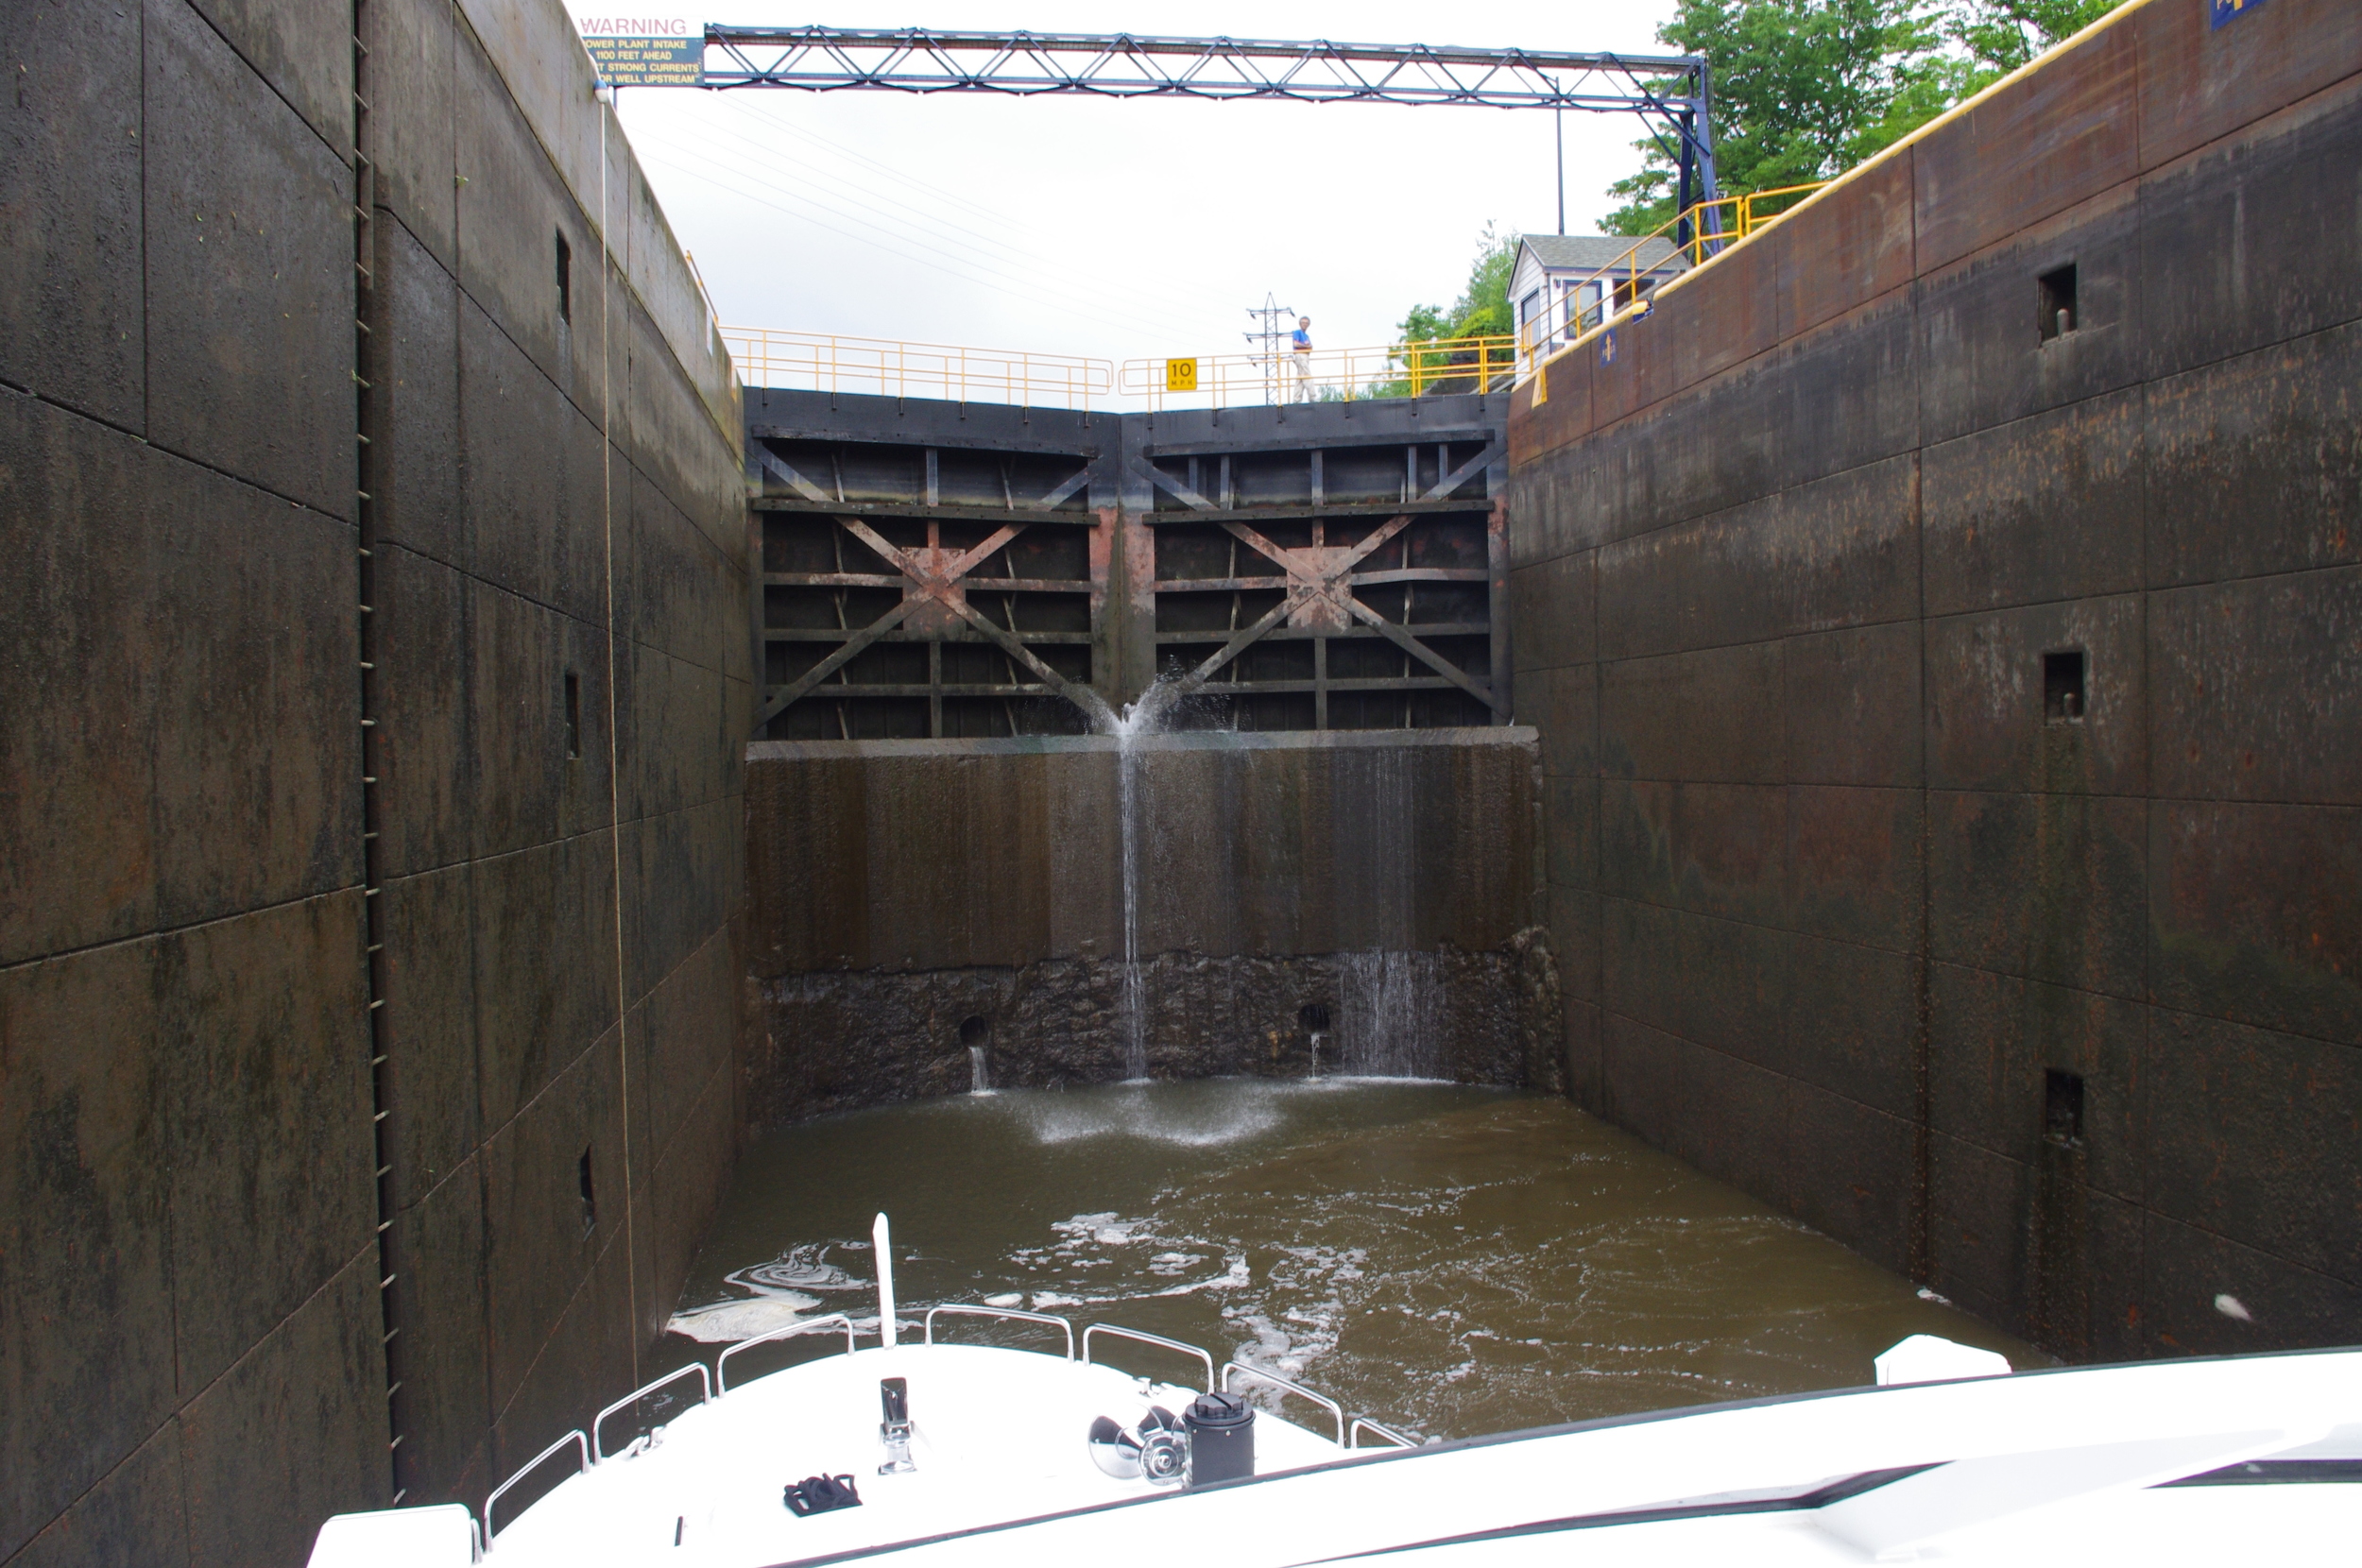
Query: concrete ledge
[[1199, 739]]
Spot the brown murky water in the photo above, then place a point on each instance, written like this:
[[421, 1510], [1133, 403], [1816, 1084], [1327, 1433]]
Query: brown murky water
[[1449, 1260]]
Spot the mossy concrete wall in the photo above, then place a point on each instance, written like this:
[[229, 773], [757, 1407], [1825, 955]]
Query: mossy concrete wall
[[1842, 913], [900, 888], [194, 929]]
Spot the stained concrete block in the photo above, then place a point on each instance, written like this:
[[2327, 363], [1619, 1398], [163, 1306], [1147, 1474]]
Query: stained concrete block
[[1553, 612], [1562, 416], [1725, 318], [294, 1431], [443, 1344], [669, 756], [666, 426], [427, 1028], [681, 878], [2232, 237], [527, 789], [416, 445], [1720, 983], [304, 52], [2050, 139], [1719, 849], [1851, 707], [671, 580], [2049, 887], [268, 1119], [1564, 705], [1857, 246], [544, 966], [411, 66], [1852, 864], [1849, 1022], [1986, 359], [542, 1242], [257, 708], [136, 1513], [1692, 716], [512, 212], [2288, 1308], [2253, 462], [1852, 1172], [2256, 690], [1574, 925], [687, 1188], [535, 489], [1827, 394], [84, 1202], [1835, 551], [1642, 1070], [2254, 914], [1988, 723], [1570, 830], [685, 1034], [1584, 1061], [2257, 1137], [1737, 1124], [2054, 506], [249, 259], [73, 324], [1991, 1040], [586, 1360], [425, 756], [77, 810], [1978, 1241], [2201, 83]]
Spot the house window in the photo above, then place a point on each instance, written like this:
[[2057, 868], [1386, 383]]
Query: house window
[[1528, 309]]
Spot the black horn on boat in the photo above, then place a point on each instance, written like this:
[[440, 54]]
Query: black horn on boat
[[1221, 1438]]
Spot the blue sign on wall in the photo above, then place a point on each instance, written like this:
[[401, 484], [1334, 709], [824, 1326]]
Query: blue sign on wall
[[2220, 11]]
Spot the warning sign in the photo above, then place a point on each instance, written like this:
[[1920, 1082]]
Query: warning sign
[[1180, 375], [625, 60]]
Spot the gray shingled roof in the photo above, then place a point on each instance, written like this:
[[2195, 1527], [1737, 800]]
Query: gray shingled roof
[[1590, 252]]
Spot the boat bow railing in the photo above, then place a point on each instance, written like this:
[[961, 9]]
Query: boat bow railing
[[598, 1422], [1147, 1338], [1336, 1412], [582, 1462], [785, 1331], [963, 1310]]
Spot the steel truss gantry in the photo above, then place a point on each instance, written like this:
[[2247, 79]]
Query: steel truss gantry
[[1670, 91]]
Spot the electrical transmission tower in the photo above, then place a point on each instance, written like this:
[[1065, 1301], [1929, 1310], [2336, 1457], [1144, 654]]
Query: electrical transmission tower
[[1276, 323]]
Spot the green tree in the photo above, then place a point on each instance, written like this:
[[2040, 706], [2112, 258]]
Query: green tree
[[1804, 90], [1482, 308], [2002, 35]]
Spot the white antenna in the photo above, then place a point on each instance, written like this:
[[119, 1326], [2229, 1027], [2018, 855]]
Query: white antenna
[[880, 1240]]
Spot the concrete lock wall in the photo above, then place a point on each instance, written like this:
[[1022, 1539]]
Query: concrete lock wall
[[2054, 1005], [196, 931], [911, 899]]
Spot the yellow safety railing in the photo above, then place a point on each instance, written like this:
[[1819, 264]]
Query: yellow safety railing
[[826, 362], [1628, 278], [1323, 375]]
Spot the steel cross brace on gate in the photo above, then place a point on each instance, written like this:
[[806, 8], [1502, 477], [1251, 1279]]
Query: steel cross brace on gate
[[1320, 595], [933, 594]]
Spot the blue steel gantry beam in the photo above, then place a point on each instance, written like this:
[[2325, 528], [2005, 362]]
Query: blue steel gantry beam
[[1671, 89]]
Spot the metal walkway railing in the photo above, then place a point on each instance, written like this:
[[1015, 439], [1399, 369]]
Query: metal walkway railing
[[891, 367]]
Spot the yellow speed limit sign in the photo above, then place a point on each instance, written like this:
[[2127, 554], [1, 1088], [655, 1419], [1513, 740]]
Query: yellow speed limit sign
[[1180, 375]]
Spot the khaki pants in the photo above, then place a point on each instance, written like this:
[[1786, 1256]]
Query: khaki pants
[[1304, 374]]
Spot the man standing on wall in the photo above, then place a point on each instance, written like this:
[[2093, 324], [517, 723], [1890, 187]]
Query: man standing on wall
[[1303, 345]]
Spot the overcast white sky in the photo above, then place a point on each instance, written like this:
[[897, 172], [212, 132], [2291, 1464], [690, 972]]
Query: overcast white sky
[[1115, 229]]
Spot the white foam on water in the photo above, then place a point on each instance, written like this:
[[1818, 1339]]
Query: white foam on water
[[724, 1323]]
